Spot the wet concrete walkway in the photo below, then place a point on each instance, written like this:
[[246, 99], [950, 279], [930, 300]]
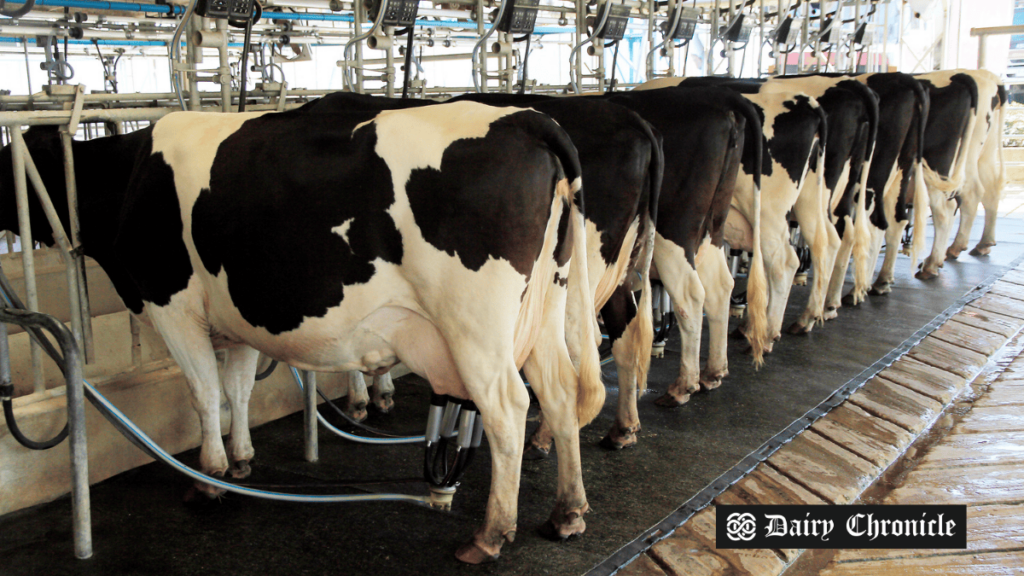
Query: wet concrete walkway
[[941, 425], [980, 464]]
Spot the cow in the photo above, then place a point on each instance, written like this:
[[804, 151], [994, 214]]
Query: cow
[[621, 159], [895, 163], [953, 113], [985, 169], [353, 241], [795, 132]]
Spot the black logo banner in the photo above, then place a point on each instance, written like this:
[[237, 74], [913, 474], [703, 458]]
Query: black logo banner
[[841, 526]]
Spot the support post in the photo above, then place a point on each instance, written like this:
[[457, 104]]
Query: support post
[[70, 183], [28, 262], [309, 423]]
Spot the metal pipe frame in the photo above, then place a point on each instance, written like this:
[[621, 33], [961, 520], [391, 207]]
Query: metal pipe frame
[[81, 517], [28, 262], [309, 411]]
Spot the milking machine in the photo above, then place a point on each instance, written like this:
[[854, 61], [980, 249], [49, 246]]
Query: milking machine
[[739, 265], [803, 253]]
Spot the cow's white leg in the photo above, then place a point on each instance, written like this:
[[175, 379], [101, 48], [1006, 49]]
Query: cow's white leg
[[837, 278], [238, 380], [989, 170], [821, 236], [942, 220], [502, 401], [781, 263], [715, 276], [684, 286], [189, 344], [358, 397], [556, 384], [622, 323], [969, 198], [382, 391]]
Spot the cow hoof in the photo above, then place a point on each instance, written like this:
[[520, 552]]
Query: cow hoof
[[712, 380], [981, 250], [830, 314], [202, 492], [563, 526], [619, 438], [925, 275], [357, 411], [384, 404], [535, 452], [880, 289], [472, 553], [669, 400], [240, 470], [800, 280], [953, 253], [798, 329], [850, 300]]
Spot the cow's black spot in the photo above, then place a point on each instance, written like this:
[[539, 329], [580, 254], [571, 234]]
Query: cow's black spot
[[794, 133], [279, 187], [487, 194], [149, 240]]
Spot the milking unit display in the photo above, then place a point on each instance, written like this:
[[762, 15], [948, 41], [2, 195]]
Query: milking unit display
[[844, 155]]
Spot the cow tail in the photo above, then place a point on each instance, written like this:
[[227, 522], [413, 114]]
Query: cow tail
[[921, 207], [862, 236], [580, 298], [757, 280], [1003, 103], [643, 338], [590, 394]]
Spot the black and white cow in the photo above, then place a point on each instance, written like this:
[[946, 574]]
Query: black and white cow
[[984, 171], [902, 110], [354, 241], [953, 112], [794, 133], [622, 162]]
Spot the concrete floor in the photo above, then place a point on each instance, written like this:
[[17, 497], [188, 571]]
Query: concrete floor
[[141, 525]]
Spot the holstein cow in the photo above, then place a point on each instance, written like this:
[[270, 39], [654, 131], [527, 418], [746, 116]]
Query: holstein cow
[[795, 131], [953, 112], [362, 240], [984, 169], [621, 159], [902, 108]]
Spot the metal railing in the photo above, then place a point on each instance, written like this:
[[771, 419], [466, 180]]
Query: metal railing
[[72, 368]]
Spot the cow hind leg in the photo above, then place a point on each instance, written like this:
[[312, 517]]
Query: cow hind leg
[[357, 397], [781, 263], [502, 401], [715, 276], [238, 380], [968, 211], [556, 384], [824, 243], [992, 192], [190, 346], [619, 314], [382, 392], [942, 219], [683, 285], [837, 278]]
